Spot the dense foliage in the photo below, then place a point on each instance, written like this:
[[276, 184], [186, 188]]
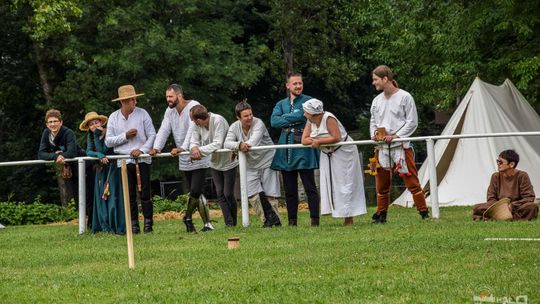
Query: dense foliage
[[12, 213], [72, 55], [18, 213], [163, 204]]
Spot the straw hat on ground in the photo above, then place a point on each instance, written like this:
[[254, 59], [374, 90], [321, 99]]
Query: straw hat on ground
[[89, 117], [126, 92], [499, 211]]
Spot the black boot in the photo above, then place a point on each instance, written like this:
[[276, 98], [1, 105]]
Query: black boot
[[190, 228], [148, 223], [191, 206], [235, 217], [292, 222], [379, 218], [424, 214], [134, 217], [135, 227], [315, 222], [227, 212], [272, 220], [234, 213], [270, 216], [148, 213]]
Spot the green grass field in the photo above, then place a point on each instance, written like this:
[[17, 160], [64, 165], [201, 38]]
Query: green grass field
[[404, 261]]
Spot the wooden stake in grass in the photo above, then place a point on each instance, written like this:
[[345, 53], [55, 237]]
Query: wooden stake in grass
[[233, 242], [129, 233]]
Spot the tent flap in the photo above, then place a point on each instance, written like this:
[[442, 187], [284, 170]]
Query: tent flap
[[464, 166]]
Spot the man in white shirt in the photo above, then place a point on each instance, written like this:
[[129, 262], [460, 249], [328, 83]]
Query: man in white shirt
[[262, 181], [177, 121], [130, 131], [207, 137], [393, 115]]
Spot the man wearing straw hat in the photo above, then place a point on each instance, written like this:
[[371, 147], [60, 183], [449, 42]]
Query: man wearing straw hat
[[511, 188], [177, 121], [131, 132]]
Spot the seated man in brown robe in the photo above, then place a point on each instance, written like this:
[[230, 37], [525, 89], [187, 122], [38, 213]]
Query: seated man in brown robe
[[509, 183]]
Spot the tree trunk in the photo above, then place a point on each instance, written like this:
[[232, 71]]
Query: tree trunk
[[65, 188], [288, 54], [42, 71]]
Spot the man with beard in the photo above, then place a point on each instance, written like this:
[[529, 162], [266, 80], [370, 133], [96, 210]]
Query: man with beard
[[289, 116], [176, 120]]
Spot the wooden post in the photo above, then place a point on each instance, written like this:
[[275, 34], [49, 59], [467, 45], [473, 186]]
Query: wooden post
[[129, 233]]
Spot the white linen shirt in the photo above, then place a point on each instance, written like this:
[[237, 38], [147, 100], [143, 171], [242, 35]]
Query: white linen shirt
[[211, 139], [396, 114], [181, 126], [256, 136], [117, 127]]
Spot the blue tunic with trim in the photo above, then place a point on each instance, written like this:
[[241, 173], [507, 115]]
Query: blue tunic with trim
[[291, 120]]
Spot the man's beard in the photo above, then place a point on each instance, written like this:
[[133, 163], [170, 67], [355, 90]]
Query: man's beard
[[174, 104], [296, 92]]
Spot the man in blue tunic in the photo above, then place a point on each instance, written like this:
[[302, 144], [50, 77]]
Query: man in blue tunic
[[289, 116]]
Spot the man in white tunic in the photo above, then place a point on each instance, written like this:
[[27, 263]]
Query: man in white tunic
[[262, 181], [208, 137], [341, 181], [394, 111], [130, 131], [176, 120]]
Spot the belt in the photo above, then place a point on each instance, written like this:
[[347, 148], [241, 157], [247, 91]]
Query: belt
[[291, 130]]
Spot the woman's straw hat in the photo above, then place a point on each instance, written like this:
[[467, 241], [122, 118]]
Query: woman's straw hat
[[89, 117], [499, 211], [126, 92]]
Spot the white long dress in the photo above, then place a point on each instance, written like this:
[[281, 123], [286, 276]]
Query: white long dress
[[342, 183]]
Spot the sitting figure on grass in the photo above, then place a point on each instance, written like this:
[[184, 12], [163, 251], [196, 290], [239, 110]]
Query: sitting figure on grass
[[510, 187]]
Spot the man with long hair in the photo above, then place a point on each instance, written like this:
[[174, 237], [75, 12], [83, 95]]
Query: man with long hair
[[393, 115]]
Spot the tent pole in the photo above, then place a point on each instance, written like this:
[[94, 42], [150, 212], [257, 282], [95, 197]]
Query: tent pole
[[432, 169]]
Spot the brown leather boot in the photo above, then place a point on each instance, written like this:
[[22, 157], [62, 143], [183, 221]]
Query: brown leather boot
[[348, 221]]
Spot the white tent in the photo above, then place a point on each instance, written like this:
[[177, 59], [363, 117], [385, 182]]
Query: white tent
[[464, 166]]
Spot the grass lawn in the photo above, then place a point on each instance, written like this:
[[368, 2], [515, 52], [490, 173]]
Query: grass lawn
[[404, 261]]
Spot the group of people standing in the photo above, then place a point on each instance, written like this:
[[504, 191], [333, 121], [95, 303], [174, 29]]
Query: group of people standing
[[301, 118]]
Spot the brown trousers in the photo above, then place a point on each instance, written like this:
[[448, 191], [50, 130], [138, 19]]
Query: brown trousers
[[525, 211], [384, 182]]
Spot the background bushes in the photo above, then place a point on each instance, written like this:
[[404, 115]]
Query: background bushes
[[16, 213]]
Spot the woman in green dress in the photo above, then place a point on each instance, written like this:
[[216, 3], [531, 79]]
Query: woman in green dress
[[108, 215]]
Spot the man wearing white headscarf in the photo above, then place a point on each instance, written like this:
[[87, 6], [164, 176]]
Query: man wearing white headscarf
[[341, 181]]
